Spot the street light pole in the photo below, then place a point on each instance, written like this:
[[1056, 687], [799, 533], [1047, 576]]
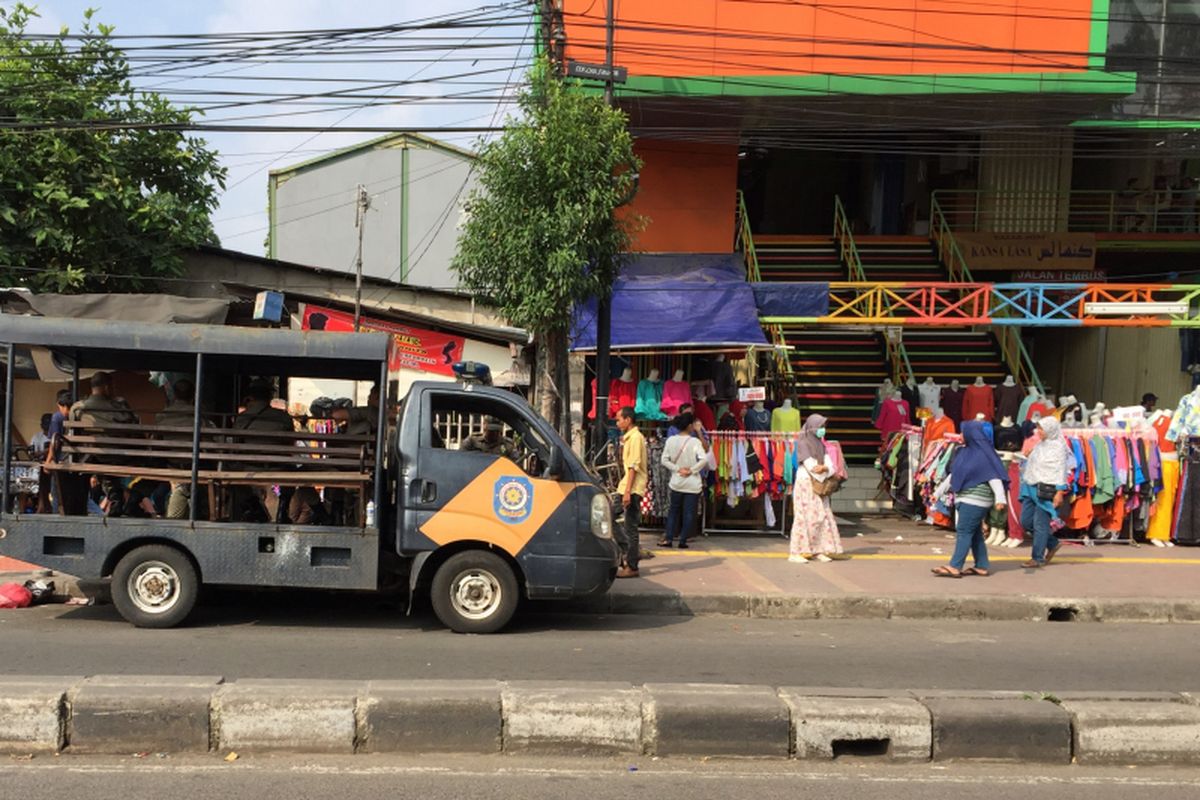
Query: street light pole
[[604, 303]]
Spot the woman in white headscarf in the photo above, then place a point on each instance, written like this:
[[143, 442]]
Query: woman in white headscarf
[[1043, 488], [814, 529]]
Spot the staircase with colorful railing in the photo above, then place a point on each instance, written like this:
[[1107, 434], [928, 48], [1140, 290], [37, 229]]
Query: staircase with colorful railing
[[798, 258], [958, 354], [910, 259], [836, 372]]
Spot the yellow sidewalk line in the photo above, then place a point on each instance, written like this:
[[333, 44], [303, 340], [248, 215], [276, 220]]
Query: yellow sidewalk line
[[901, 557]]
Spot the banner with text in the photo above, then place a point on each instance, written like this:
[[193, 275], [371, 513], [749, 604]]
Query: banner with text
[[413, 348], [1041, 252]]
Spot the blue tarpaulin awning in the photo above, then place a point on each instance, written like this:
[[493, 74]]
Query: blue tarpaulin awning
[[676, 300]]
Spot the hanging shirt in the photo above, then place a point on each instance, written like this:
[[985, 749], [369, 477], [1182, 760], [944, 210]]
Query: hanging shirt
[[785, 420], [952, 404], [979, 400], [757, 420], [1161, 425], [931, 394], [1023, 410], [1186, 421], [1008, 439], [1008, 401], [674, 395], [621, 394], [649, 400], [892, 415]]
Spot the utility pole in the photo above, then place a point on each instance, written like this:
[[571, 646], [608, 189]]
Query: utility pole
[[362, 203], [604, 303]]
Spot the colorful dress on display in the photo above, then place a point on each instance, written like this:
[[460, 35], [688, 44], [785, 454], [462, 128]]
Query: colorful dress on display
[[621, 394], [785, 420], [674, 395], [649, 400], [892, 415], [979, 400], [1025, 409], [758, 420], [705, 414]]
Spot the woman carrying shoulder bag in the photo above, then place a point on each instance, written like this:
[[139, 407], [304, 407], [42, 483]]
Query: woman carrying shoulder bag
[[814, 529]]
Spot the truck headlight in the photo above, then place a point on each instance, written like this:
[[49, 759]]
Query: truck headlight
[[601, 517]]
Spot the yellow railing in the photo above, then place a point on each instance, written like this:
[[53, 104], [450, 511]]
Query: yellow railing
[[947, 246], [745, 242], [844, 237]]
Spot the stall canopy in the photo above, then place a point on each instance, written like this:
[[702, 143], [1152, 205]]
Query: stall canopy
[[676, 300]]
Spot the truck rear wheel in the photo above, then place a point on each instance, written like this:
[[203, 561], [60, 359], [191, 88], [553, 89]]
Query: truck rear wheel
[[475, 592], [155, 586]]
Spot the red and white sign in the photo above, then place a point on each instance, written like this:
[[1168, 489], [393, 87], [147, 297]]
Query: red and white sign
[[752, 394], [413, 348]]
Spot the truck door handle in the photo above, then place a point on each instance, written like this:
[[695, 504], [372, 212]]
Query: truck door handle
[[428, 491]]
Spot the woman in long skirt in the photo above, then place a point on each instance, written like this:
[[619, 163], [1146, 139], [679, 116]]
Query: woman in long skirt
[[814, 529]]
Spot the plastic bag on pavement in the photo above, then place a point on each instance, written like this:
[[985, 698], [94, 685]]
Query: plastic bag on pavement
[[14, 595], [40, 591]]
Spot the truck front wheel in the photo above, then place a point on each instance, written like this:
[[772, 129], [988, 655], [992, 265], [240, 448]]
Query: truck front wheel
[[155, 586], [475, 592]]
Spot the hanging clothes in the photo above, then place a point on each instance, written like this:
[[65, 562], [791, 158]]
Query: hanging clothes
[[1008, 401], [952, 404], [1164, 508], [913, 398], [620, 395], [758, 419], [1041, 408], [892, 415], [1008, 439], [1023, 410], [704, 413], [937, 427], [785, 420], [649, 400], [930, 394], [979, 400], [674, 395], [1186, 420]]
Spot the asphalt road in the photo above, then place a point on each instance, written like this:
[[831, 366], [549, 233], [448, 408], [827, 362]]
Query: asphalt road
[[316, 635], [501, 778]]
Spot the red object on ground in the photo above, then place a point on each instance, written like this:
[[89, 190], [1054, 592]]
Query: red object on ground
[[14, 595]]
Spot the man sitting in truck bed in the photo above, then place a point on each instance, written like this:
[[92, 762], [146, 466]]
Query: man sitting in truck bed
[[99, 408], [259, 414]]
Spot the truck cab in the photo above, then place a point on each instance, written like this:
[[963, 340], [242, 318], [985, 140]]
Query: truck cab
[[460, 492]]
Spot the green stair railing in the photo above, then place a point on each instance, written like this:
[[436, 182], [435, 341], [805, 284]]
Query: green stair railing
[[844, 237], [745, 242]]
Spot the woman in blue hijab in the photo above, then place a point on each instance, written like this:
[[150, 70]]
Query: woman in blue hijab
[[979, 482]]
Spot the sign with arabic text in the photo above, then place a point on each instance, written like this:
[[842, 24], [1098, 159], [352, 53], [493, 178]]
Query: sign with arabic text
[[413, 348], [1042, 252]]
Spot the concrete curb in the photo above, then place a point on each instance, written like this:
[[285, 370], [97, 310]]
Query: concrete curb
[[126, 714], [974, 608]]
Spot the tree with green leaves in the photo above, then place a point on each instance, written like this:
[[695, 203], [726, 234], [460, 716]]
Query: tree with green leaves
[[541, 233], [101, 190]]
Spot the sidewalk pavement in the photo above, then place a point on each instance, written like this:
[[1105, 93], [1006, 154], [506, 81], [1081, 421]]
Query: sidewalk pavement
[[887, 575]]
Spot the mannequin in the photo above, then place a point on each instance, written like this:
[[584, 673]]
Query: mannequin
[[882, 393], [978, 398], [1028, 400], [758, 418], [1008, 436], [621, 392], [937, 426], [675, 393], [892, 414], [931, 394], [725, 389], [911, 396], [1008, 398], [785, 419], [649, 397], [952, 402]]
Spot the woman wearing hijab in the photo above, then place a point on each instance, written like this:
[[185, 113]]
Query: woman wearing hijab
[[979, 481], [814, 530], [1043, 486]]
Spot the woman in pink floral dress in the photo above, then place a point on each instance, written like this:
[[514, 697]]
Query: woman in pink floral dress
[[814, 529]]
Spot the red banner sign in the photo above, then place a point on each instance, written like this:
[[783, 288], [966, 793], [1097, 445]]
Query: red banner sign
[[413, 348]]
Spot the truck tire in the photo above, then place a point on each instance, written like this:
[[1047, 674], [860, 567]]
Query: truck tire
[[475, 592], [155, 586]]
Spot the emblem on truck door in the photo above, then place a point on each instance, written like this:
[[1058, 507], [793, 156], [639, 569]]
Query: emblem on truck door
[[513, 500]]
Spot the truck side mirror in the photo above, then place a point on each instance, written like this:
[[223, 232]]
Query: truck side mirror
[[556, 467]]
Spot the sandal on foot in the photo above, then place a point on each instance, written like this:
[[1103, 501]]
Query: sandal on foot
[[946, 572], [1050, 553], [663, 543], [1031, 564], [983, 573]]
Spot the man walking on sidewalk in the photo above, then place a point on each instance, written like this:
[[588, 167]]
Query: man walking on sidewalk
[[634, 477]]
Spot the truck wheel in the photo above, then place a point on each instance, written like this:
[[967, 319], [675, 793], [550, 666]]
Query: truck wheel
[[475, 592], [155, 586]]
